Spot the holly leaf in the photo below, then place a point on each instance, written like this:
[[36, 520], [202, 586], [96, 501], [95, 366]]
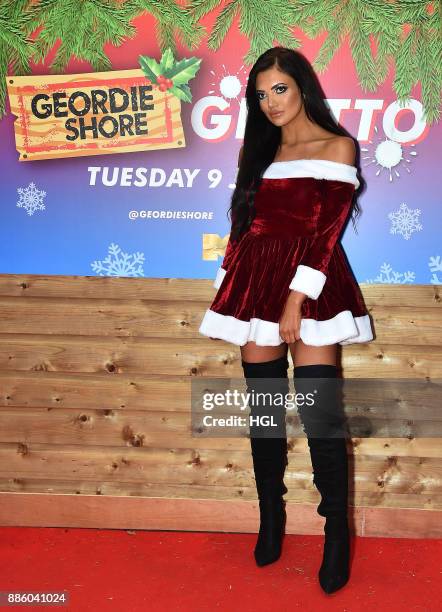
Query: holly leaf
[[184, 70], [150, 67], [167, 61], [182, 92]]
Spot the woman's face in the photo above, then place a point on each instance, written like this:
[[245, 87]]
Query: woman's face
[[279, 96]]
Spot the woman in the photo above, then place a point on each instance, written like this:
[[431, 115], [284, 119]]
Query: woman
[[284, 284]]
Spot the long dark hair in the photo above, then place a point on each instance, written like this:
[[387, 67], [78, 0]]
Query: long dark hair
[[262, 138]]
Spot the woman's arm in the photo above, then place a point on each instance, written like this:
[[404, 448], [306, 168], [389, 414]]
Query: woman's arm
[[336, 200]]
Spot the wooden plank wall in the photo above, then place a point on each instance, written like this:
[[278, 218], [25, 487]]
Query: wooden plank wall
[[95, 429]]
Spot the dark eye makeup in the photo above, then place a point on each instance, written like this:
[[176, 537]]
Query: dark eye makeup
[[278, 88]]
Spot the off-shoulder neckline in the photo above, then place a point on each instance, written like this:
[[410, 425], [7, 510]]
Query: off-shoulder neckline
[[312, 168], [327, 161]]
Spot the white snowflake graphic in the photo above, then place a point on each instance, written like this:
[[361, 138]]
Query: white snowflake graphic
[[435, 265], [389, 156], [388, 275], [405, 221], [31, 198], [118, 263]]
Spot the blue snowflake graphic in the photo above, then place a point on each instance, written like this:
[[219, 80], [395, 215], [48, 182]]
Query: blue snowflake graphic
[[405, 221], [118, 263], [435, 265], [388, 275], [31, 198]]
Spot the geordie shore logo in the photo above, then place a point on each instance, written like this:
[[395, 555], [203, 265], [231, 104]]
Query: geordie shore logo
[[103, 112]]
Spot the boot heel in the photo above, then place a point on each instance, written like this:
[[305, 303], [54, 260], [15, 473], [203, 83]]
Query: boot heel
[[271, 531], [334, 570]]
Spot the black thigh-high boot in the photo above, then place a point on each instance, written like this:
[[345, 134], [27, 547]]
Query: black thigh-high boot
[[269, 451], [324, 425]]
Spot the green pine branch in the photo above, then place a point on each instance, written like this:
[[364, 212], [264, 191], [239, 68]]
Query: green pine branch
[[361, 23], [264, 23], [15, 46], [172, 20], [81, 29], [420, 57], [356, 22]]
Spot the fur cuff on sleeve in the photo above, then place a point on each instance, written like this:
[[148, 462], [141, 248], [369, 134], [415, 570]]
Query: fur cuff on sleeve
[[221, 272], [309, 281]]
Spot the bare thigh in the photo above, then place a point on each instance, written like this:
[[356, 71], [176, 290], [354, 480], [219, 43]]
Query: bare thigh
[[302, 354], [252, 353], [305, 354]]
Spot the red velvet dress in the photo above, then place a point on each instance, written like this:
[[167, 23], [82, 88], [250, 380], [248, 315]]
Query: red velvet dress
[[301, 208]]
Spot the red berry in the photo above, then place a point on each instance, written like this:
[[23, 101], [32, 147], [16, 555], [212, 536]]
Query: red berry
[[162, 87], [160, 78]]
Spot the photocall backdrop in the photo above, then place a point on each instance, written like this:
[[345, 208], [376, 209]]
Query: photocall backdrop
[[146, 191]]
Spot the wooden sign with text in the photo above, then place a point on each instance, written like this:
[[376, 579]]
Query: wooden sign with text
[[96, 113]]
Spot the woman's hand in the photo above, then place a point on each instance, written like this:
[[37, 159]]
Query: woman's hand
[[290, 321]]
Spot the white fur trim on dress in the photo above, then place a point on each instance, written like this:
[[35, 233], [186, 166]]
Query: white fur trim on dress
[[220, 274], [343, 328], [315, 168], [308, 280]]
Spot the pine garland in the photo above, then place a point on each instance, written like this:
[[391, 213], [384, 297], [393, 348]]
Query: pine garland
[[82, 28], [15, 46], [418, 58], [172, 18], [262, 23]]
